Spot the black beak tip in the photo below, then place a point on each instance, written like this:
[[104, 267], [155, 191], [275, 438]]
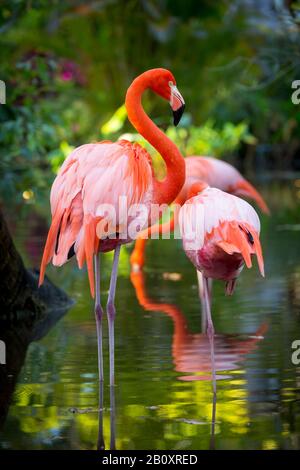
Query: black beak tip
[[177, 115]]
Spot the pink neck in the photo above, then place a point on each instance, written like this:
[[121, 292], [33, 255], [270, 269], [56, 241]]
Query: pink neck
[[196, 189], [163, 191]]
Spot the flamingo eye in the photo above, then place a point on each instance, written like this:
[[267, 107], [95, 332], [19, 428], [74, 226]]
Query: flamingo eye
[[248, 234], [171, 84]]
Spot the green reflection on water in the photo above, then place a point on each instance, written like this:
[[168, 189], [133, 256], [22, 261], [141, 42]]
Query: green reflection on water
[[163, 394]]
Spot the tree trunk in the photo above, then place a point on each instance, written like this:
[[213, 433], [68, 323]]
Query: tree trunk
[[20, 296], [26, 313]]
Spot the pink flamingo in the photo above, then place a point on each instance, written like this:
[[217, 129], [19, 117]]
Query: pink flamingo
[[217, 174], [97, 175], [220, 234]]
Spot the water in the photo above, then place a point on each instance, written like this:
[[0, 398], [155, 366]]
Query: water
[[163, 395]]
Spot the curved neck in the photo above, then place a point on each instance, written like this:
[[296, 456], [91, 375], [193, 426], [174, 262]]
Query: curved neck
[[164, 191], [179, 320], [196, 189]]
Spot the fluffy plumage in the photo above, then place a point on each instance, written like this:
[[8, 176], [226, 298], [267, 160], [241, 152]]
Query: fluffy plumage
[[90, 182], [220, 233]]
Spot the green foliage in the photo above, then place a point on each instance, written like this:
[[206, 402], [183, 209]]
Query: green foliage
[[209, 140], [41, 116], [58, 156], [68, 64], [115, 123]]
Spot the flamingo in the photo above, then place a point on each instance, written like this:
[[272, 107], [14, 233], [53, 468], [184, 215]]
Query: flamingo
[[217, 174], [220, 233], [93, 180]]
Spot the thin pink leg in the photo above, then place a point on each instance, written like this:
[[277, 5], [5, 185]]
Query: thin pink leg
[[210, 331], [210, 283], [98, 316], [202, 300], [100, 441], [111, 313], [213, 423], [112, 419]]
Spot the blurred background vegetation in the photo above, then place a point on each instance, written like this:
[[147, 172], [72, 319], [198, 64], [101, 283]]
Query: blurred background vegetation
[[67, 66]]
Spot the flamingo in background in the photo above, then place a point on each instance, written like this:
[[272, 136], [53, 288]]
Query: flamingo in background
[[217, 174], [220, 233], [96, 175]]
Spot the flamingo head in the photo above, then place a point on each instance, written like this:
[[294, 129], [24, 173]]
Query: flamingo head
[[163, 84]]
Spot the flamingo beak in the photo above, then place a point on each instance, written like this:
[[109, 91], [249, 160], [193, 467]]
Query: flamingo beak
[[177, 104]]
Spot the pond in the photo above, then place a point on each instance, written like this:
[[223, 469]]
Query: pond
[[163, 395]]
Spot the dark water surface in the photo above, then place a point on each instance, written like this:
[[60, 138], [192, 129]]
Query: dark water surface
[[163, 396]]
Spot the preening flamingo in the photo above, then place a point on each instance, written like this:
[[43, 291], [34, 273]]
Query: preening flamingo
[[93, 180], [217, 174], [220, 233]]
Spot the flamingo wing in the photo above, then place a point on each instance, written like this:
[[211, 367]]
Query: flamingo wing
[[86, 191]]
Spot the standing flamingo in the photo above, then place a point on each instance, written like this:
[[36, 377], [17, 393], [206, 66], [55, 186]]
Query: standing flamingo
[[95, 178], [220, 234], [217, 174]]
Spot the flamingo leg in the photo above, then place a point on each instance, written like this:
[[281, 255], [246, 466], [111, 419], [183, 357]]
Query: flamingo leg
[[202, 300], [210, 283], [98, 316], [111, 313], [112, 419], [210, 330], [213, 423], [100, 441], [137, 258]]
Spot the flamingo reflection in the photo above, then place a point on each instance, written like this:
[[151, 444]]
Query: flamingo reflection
[[112, 419], [191, 351]]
